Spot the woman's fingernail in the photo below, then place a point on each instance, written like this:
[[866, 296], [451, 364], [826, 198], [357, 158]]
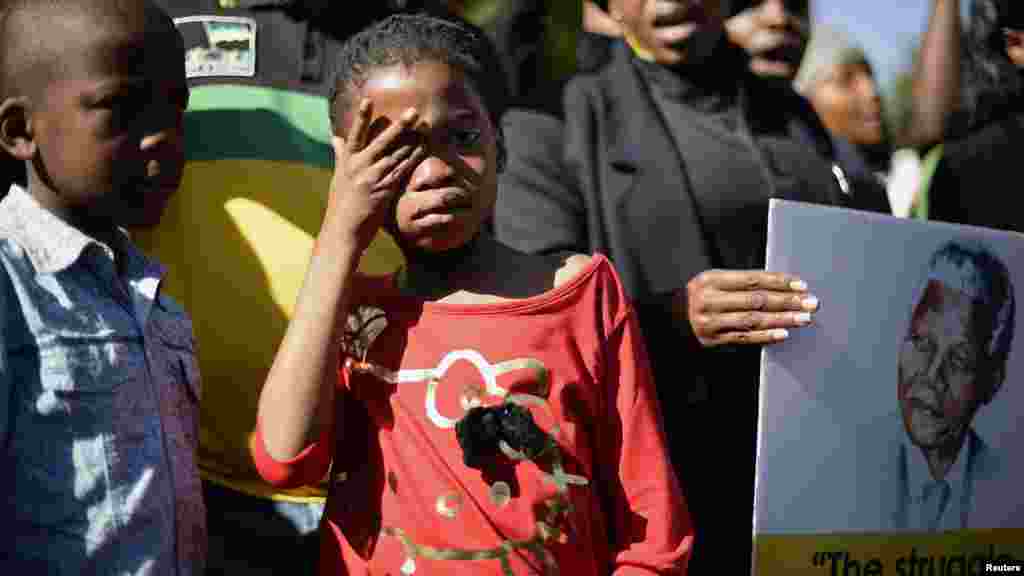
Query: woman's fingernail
[[809, 303], [802, 318], [780, 334], [798, 285]]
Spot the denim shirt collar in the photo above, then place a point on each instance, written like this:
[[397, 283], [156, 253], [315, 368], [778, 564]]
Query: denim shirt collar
[[53, 245]]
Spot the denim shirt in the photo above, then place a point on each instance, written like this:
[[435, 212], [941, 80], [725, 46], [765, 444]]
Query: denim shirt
[[99, 393]]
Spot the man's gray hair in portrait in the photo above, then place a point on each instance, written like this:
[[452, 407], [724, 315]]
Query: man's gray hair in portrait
[[974, 270]]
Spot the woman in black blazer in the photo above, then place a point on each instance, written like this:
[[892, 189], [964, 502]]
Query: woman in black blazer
[[665, 159]]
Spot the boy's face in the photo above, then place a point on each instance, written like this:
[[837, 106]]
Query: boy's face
[[451, 192], [108, 127]]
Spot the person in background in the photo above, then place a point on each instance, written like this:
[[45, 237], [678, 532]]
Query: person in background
[[773, 32], [979, 111], [237, 236], [665, 160], [536, 40], [836, 78]]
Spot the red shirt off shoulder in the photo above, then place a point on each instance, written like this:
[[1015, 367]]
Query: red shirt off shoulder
[[603, 499]]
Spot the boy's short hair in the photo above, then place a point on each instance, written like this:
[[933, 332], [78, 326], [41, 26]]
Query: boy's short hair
[[30, 50], [405, 39]]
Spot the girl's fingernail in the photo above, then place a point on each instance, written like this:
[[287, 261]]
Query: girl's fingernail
[[809, 303], [780, 334], [803, 318], [798, 285]]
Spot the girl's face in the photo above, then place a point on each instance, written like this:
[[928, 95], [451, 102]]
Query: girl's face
[[448, 196]]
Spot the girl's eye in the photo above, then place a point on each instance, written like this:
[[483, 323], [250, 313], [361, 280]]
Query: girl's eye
[[465, 138]]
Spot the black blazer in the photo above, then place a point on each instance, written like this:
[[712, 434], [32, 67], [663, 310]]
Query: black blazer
[[609, 177]]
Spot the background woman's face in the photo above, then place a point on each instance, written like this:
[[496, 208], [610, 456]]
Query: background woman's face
[[848, 103]]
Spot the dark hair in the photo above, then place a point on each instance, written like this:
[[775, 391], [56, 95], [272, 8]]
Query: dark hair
[[29, 59], [992, 84], [405, 39]]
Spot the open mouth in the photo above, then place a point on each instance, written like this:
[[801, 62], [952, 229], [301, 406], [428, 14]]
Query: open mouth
[[787, 53]]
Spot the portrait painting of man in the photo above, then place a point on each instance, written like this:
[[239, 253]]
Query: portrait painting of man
[[952, 364], [895, 416]]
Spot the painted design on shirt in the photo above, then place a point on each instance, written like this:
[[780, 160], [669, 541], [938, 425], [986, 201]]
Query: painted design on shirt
[[363, 328]]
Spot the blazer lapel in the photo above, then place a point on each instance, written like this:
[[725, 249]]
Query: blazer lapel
[[644, 176]]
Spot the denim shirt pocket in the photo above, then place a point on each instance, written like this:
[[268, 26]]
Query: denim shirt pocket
[[178, 363]]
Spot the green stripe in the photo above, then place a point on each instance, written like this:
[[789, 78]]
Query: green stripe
[[257, 123], [928, 167]]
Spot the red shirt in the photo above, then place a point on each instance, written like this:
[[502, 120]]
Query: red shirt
[[603, 501]]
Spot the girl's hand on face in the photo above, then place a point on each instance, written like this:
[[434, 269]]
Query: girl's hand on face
[[744, 307], [367, 176]]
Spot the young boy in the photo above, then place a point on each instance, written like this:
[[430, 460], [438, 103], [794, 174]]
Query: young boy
[[495, 411], [98, 382]]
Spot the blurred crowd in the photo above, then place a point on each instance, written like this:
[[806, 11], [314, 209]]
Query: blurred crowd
[[684, 118]]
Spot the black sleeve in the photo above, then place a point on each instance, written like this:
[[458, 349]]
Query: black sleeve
[[537, 210], [869, 194], [943, 200]]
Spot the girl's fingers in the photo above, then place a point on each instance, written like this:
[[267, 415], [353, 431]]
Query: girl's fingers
[[386, 140], [360, 126], [397, 167]]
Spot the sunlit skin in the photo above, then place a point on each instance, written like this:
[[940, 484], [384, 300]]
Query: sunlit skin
[[941, 384], [447, 196], [105, 141], [847, 102]]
